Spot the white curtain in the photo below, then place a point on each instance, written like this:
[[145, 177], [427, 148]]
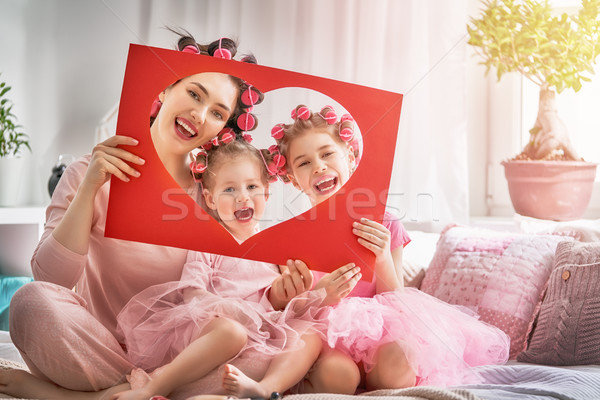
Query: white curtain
[[67, 58], [413, 47]]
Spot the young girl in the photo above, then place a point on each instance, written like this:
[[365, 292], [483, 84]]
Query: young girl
[[382, 335], [69, 337]]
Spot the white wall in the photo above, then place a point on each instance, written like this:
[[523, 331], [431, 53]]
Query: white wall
[[79, 44]]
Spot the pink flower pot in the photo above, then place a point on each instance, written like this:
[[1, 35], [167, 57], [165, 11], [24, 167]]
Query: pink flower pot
[[554, 190]]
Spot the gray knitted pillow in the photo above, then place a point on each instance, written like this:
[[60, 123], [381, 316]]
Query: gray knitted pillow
[[568, 326]]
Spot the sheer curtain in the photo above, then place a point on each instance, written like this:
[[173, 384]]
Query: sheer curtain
[[414, 47], [65, 82]]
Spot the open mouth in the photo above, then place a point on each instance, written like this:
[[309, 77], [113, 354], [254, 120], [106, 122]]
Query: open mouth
[[244, 214], [185, 129], [326, 184]]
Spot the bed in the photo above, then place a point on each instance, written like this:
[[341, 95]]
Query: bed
[[536, 280]]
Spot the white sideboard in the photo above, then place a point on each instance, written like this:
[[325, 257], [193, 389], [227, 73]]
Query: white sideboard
[[20, 231]]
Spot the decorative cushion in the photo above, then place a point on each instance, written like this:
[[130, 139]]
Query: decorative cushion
[[568, 326], [499, 275]]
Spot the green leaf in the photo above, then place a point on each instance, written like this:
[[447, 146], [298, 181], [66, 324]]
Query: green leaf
[[524, 35]]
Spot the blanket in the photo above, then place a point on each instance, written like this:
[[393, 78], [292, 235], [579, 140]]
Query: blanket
[[416, 393], [536, 382]]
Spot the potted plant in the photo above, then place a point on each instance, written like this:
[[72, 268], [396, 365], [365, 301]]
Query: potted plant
[[547, 179], [12, 143]]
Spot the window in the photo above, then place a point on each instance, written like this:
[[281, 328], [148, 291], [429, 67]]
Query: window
[[579, 112]]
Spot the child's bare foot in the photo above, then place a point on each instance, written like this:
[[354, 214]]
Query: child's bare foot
[[237, 384]]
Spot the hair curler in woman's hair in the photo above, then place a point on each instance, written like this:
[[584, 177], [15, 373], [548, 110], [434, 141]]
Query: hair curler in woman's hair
[[222, 48], [222, 52], [241, 119]]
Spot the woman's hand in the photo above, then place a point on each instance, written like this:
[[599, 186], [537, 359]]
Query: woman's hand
[[109, 159], [295, 279], [73, 231], [339, 283], [136, 394]]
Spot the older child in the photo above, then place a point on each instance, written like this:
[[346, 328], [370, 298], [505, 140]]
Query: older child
[[382, 335]]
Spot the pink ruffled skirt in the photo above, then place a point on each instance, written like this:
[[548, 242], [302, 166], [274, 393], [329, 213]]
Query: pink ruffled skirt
[[157, 324], [441, 341]]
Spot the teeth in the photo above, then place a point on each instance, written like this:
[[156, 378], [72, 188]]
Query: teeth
[[187, 128], [244, 214], [326, 184]]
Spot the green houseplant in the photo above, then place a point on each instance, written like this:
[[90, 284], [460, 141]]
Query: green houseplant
[[556, 53], [11, 139], [12, 143]]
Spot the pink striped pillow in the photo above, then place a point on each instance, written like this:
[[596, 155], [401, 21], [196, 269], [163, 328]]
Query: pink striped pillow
[[499, 275]]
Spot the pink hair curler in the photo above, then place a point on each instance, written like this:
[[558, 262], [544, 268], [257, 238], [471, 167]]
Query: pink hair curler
[[246, 122]]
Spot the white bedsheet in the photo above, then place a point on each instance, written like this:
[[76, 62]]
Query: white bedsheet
[[501, 382], [7, 350]]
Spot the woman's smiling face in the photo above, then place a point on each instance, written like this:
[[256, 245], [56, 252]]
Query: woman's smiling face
[[194, 110], [319, 165]]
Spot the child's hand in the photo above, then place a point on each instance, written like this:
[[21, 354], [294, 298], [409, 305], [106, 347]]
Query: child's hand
[[374, 237], [339, 283], [295, 279], [378, 238]]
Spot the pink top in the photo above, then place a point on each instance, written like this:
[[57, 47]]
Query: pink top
[[399, 238], [113, 270]]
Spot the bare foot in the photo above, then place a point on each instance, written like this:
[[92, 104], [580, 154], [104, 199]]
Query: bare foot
[[20, 383], [237, 384]]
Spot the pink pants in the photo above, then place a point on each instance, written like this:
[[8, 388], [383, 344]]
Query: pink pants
[[62, 342]]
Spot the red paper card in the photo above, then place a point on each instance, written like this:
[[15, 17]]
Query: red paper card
[[153, 209]]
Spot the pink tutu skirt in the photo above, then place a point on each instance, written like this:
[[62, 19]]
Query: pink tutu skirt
[[441, 341], [157, 324]]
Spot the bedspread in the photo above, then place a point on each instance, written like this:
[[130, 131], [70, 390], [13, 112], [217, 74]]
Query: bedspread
[[532, 381]]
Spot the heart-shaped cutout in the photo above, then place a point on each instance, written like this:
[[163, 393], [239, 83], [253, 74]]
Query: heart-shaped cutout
[[182, 126], [153, 209]]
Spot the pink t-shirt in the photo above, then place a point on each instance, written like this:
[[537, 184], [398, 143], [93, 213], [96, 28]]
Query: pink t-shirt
[[399, 238], [113, 270]]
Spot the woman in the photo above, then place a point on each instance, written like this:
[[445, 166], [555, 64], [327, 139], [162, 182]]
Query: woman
[[68, 337]]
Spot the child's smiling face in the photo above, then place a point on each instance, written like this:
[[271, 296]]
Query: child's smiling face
[[319, 165], [238, 195]]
